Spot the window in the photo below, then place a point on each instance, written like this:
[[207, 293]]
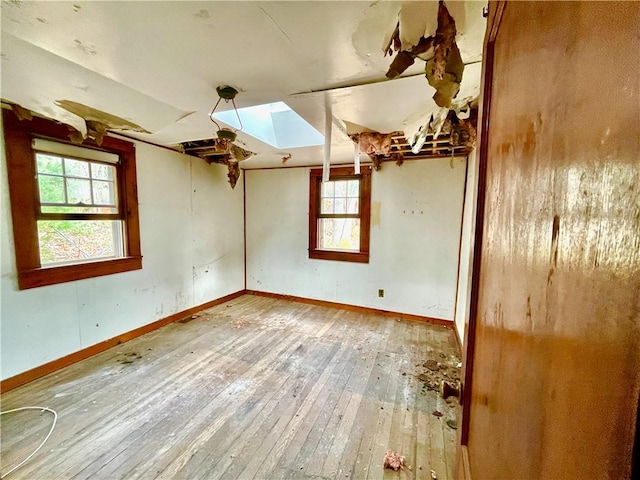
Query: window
[[339, 215], [273, 123], [74, 207]]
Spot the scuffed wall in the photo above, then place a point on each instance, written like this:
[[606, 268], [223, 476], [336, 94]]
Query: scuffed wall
[[415, 234], [192, 245]]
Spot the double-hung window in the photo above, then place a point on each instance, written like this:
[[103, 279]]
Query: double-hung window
[[74, 207], [339, 215], [79, 215]]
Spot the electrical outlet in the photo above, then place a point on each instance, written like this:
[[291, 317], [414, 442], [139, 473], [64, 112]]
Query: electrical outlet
[[381, 293]]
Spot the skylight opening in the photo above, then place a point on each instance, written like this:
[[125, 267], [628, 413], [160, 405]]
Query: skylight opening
[[274, 123]]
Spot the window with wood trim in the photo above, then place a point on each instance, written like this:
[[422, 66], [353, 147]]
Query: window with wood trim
[[74, 207], [339, 215]]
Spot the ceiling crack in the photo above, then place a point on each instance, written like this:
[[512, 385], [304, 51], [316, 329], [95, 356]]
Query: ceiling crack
[[276, 24]]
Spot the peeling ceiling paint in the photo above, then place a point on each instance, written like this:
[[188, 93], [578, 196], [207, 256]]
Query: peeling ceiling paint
[[92, 114], [156, 64]]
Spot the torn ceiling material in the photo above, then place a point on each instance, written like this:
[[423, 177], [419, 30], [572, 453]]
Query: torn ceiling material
[[21, 112], [433, 147], [97, 122], [218, 150], [444, 66], [376, 145], [456, 139], [221, 149], [154, 85], [433, 38]]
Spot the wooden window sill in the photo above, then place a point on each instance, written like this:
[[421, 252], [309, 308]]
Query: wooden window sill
[[40, 277], [357, 257]]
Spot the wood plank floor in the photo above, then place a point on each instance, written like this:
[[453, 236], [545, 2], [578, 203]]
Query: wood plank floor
[[253, 388]]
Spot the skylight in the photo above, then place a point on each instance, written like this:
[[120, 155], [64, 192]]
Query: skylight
[[275, 124]]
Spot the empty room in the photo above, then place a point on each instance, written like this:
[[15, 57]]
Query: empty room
[[320, 240]]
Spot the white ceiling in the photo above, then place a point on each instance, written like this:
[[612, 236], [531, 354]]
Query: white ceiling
[[157, 63]]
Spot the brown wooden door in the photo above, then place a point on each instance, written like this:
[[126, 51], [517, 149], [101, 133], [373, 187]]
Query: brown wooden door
[[553, 354]]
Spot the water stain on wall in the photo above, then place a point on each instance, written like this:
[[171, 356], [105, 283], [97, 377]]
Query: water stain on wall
[[375, 214]]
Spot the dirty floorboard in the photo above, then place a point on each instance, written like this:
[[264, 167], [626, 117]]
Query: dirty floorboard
[[253, 388]]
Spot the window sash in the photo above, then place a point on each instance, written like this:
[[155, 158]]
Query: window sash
[[116, 247], [40, 215], [336, 249], [341, 178], [79, 216], [337, 178]]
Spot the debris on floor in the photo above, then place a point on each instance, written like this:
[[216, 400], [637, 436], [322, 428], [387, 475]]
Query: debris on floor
[[240, 324], [437, 413], [449, 390], [393, 461], [129, 357], [187, 319], [433, 475], [452, 424], [432, 365], [433, 372]]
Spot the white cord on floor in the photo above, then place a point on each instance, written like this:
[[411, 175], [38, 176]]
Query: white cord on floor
[[55, 419]]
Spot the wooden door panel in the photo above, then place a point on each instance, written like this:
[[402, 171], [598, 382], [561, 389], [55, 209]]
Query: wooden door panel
[[556, 364]]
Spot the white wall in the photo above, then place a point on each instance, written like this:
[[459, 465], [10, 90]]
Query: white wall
[[415, 236], [466, 246], [192, 245]]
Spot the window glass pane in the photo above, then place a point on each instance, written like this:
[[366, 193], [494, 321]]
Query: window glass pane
[[327, 189], [103, 172], [339, 234], [352, 205], [353, 188], [72, 241], [104, 193], [341, 188], [51, 189], [78, 191], [76, 168], [340, 205], [48, 164], [327, 205]]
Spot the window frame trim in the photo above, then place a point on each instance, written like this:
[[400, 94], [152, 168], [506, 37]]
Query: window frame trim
[[25, 203], [339, 173]]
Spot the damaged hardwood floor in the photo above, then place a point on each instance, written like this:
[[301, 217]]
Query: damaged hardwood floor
[[254, 388]]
